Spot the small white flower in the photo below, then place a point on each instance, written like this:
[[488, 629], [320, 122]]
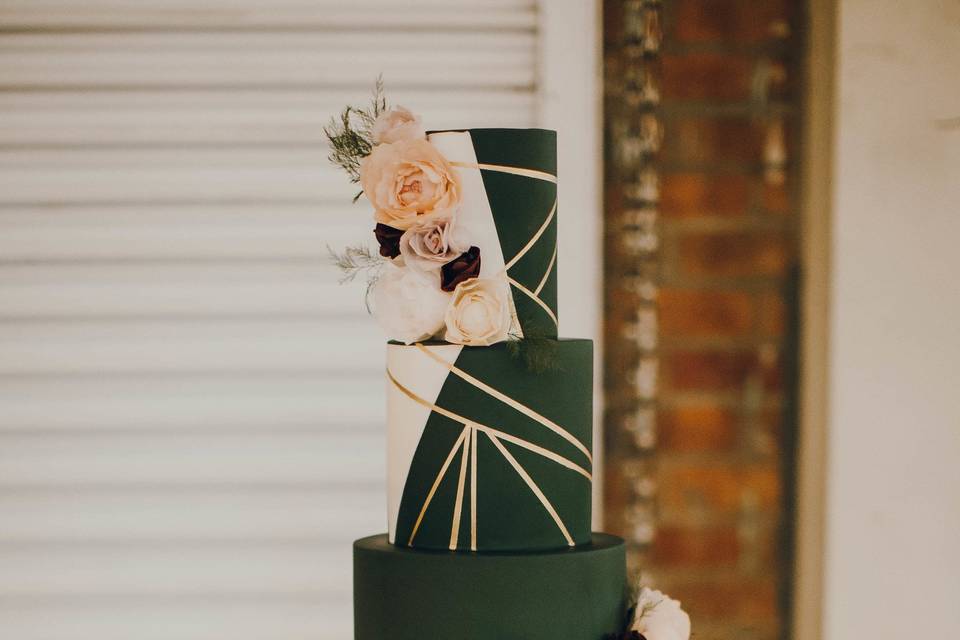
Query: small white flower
[[479, 313], [397, 124], [429, 245], [660, 617], [409, 305]]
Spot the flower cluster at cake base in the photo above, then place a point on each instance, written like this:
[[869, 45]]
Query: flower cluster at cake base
[[654, 616], [428, 285]]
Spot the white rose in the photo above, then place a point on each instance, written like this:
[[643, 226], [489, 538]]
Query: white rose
[[409, 305], [660, 617], [479, 313], [397, 124], [429, 245]]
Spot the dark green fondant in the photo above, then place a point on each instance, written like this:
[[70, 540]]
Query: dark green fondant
[[408, 594], [510, 516]]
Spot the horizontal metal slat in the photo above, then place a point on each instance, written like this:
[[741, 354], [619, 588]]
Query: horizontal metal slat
[[263, 59], [321, 617], [338, 458], [193, 403], [246, 14], [97, 348], [335, 516], [173, 569], [206, 232]]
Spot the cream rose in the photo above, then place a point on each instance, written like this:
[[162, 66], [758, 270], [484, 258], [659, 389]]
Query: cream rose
[[409, 305], [430, 244], [660, 617], [397, 124], [479, 313], [409, 181]]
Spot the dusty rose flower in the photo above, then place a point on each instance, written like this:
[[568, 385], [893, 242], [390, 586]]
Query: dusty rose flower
[[409, 181], [461, 268], [397, 124], [389, 240], [479, 313], [430, 244]]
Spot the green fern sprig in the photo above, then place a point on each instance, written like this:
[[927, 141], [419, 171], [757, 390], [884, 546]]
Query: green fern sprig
[[537, 349], [350, 133]]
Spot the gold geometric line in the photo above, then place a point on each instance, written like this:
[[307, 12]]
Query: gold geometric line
[[507, 400], [533, 240], [536, 299], [519, 171], [533, 487], [473, 490], [458, 505], [546, 276], [529, 446], [436, 483]]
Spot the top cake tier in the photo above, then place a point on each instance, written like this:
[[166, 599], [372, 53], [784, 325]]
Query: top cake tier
[[509, 203]]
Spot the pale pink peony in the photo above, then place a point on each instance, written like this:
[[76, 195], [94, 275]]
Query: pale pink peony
[[397, 124], [409, 181]]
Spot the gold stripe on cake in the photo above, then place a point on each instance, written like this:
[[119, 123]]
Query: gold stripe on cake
[[473, 490], [546, 276], [504, 398], [533, 487], [520, 442], [535, 298], [436, 483], [533, 241], [458, 505], [517, 171]]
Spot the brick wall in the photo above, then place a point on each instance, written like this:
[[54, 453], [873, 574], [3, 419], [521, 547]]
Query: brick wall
[[700, 299]]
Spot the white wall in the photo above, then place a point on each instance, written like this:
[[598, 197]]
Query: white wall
[[893, 483]]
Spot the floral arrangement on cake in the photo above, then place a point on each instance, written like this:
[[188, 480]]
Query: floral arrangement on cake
[[424, 282], [654, 616]]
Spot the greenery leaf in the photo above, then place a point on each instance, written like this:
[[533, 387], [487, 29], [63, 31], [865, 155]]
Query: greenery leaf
[[350, 133], [537, 349], [354, 261]]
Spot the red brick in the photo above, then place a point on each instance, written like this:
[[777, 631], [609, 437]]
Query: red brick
[[714, 370], [741, 599], [699, 547], [713, 140], [719, 488], [734, 255], [705, 426], [706, 76], [772, 314], [685, 195], [730, 21], [702, 313], [776, 198]]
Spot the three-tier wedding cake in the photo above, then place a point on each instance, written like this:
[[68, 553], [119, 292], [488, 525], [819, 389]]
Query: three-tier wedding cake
[[489, 423]]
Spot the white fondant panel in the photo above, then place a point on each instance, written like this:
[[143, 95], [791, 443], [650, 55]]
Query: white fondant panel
[[406, 419], [475, 215]]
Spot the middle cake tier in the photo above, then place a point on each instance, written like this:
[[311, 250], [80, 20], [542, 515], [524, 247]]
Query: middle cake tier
[[486, 453]]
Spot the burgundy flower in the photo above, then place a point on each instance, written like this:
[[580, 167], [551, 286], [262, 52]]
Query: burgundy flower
[[461, 268], [389, 239], [627, 635]]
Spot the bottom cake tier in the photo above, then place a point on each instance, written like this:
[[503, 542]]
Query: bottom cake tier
[[408, 594]]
